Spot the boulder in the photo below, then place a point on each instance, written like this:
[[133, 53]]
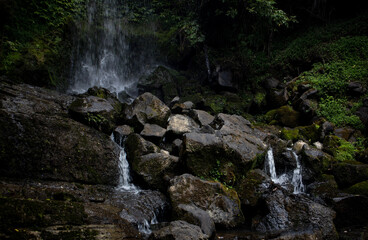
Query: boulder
[[39, 140], [359, 188], [94, 111], [248, 188], [277, 97], [351, 211], [270, 83], [197, 216], [146, 108], [284, 115], [154, 168], [179, 230], [202, 117], [356, 88], [324, 190], [222, 205], [349, 173], [180, 124], [176, 147], [286, 213], [153, 132], [344, 133], [362, 113], [121, 132]]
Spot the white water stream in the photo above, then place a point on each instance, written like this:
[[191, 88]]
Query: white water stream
[[295, 179]]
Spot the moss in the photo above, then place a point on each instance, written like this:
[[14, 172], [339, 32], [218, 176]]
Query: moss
[[290, 134], [359, 188], [284, 115], [310, 133]]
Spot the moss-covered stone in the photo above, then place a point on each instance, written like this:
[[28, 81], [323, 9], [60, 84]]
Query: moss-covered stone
[[310, 133], [290, 134], [348, 173], [247, 187], [359, 188], [284, 115]]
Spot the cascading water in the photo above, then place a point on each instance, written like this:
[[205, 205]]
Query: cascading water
[[104, 55], [283, 179]]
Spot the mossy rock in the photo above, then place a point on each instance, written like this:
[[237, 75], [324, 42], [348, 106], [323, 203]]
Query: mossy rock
[[348, 173], [359, 188], [331, 144], [290, 134], [247, 187], [285, 116], [310, 133]]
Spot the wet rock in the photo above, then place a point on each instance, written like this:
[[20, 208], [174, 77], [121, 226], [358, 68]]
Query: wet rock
[[146, 108], [351, 211], [153, 132], [39, 140], [179, 230], [202, 117], [197, 216], [349, 173], [287, 214], [316, 162], [154, 168], [180, 124], [299, 145], [220, 203], [121, 132], [285, 116], [94, 111], [324, 190]]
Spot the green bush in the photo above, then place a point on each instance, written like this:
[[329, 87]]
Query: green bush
[[346, 151]]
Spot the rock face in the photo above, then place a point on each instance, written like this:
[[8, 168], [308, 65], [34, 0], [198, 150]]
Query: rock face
[[179, 230], [38, 140], [222, 205], [146, 108]]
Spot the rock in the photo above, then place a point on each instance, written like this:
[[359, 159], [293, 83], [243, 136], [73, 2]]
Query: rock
[[344, 133], [197, 216], [176, 147], [220, 203], [121, 132], [318, 145], [359, 188], [154, 167], [277, 97], [223, 79], [304, 87], [153, 132], [94, 111], [188, 105], [362, 113], [284, 115], [349, 173], [351, 211], [248, 188], [270, 83], [163, 83], [299, 145], [136, 146], [174, 101], [179, 108], [202, 117], [38, 139], [327, 128], [325, 189], [180, 124], [316, 162], [356, 89], [179, 230], [287, 214], [146, 108], [225, 155]]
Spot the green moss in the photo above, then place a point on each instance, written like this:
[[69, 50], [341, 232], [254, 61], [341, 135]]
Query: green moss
[[284, 115], [359, 188], [310, 133], [290, 134]]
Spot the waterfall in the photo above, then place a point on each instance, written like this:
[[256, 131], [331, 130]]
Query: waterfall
[[295, 178], [125, 181], [104, 54]]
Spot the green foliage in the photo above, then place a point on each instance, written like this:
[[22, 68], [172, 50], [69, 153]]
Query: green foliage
[[336, 111], [346, 151]]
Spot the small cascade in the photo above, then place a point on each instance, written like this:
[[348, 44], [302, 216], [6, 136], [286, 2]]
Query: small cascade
[[125, 181], [207, 61], [297, 179], [287, 178]]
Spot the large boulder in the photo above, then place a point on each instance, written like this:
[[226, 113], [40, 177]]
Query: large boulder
[[351, 211], [285, 116], [39, 140], [349, 173], [226, 154], [180, 124], [94, 111], [179, 230], [222, 205], [146, 108], [153, 132], [203, 117]]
